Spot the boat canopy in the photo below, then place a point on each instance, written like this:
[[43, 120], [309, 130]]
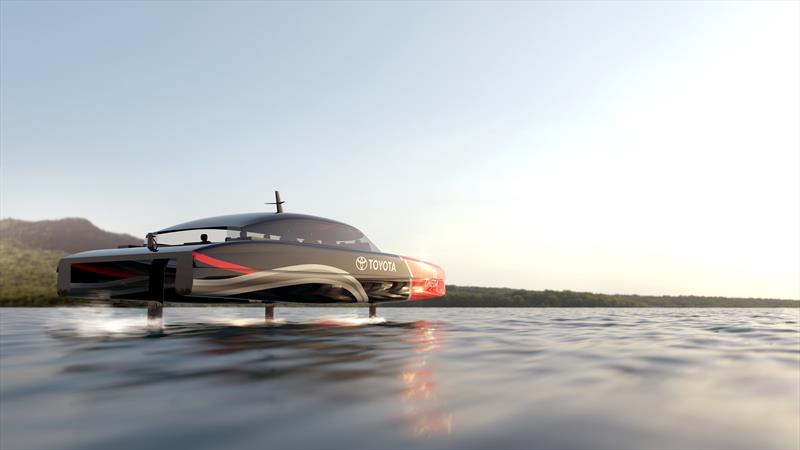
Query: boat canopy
[[284, 227], [237, 221]]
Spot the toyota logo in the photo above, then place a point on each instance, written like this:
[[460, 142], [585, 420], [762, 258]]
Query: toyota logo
[[361, 263]]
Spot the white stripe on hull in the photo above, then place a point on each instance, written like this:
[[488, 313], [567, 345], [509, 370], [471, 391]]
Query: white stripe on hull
[[281, 277]]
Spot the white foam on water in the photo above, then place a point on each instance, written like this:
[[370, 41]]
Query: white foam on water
[[98, 321], [349, 321], [243, 321], [104, 321]]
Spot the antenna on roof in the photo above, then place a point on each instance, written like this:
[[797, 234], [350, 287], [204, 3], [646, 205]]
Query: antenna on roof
[[278, 202]]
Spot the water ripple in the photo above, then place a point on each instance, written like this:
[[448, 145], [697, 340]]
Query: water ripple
[[414, 378]]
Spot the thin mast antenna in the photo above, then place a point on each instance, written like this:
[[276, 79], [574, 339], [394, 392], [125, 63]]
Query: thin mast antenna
[[278, 203]]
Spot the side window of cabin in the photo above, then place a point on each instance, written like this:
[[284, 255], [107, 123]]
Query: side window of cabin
[[312, 232], [190, 237]]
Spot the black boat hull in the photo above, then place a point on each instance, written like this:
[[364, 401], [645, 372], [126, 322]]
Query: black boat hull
[[248, 271]]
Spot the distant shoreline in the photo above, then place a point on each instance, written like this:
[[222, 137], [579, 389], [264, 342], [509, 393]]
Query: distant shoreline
[[471, 297], [29, 254]]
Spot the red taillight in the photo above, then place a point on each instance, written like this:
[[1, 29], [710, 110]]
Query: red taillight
[[427, 280]]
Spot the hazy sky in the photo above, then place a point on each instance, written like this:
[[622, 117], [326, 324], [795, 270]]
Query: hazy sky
[[633, 147]]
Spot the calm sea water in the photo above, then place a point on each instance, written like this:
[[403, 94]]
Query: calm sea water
[[414, 378]]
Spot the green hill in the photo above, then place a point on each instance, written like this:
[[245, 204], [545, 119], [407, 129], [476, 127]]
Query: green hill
[[68, 235], [29, 254]]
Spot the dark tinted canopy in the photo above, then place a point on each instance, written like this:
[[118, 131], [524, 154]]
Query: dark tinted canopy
[[236, 221], [284, 226]]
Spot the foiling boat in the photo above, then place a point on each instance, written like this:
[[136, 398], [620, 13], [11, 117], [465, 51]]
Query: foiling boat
[[261, 257]]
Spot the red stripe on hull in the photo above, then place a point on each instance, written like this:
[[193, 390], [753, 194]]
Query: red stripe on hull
[[220, 264], [107, 271]]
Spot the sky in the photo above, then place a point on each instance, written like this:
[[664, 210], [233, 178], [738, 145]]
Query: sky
[[613, 147]]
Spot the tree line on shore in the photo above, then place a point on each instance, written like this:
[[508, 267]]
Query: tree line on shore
[[29, 252], [473, 296]]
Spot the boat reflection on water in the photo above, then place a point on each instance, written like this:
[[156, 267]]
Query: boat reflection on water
[[419, 396], [327, 361], [420, 404]]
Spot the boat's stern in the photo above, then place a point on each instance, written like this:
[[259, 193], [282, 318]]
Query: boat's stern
[[427, 279], [126, 273]]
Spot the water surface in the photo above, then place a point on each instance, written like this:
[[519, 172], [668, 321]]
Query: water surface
[[414, 378]]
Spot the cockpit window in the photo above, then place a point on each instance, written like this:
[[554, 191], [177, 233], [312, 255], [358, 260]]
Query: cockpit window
[[307, 232], [192, 237]]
